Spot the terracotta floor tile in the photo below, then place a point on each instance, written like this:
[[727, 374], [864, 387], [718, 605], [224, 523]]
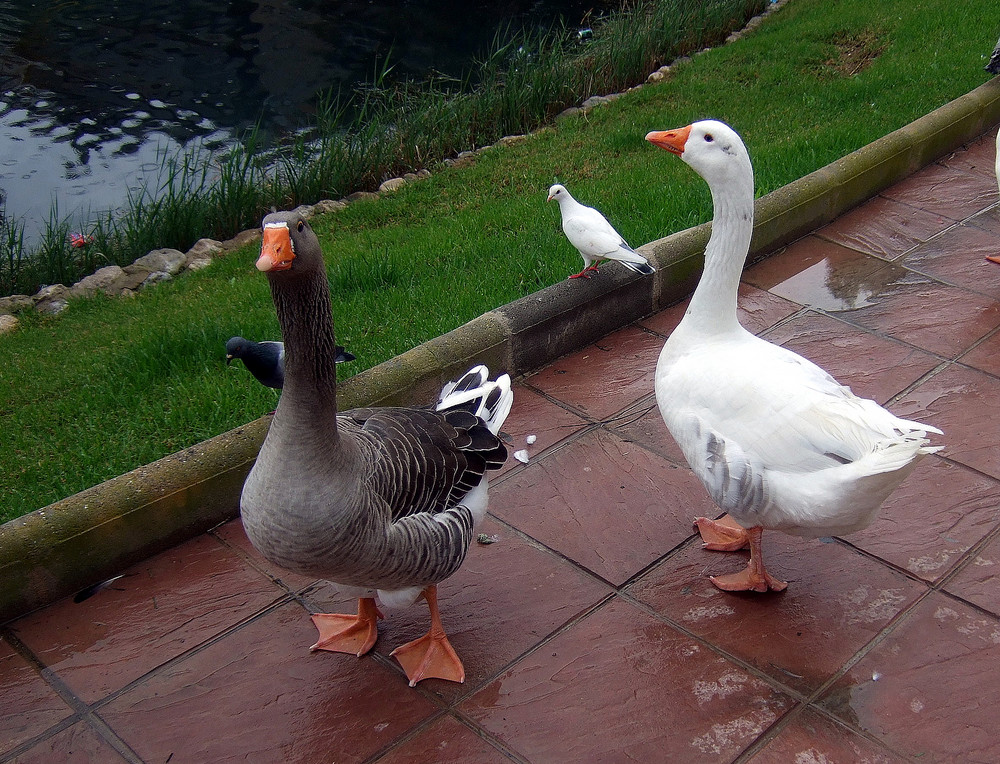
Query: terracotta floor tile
[[279, 702], [947, 191], [965, 404], [939, 512], [446, 741], [874, 367], [978, 156], [941, 319], [985, 356], [77, 744], [884, 227], [507, 596], [958, 257], [756, 310], [811, 738], [988, 220], [837, 600], [924, 690], [533, 414], [823, 275], [644, 425], [611, 506], [979, 581], [606, 376], [158, 610], [621, 686], [30, 705]]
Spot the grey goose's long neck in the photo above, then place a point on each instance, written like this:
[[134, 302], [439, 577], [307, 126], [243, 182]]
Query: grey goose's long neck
[[713, 306], [305, 314]]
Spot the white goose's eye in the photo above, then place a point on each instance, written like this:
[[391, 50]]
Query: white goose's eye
[[708, 138]]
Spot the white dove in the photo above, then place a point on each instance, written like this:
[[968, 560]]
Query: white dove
[[596, 239]]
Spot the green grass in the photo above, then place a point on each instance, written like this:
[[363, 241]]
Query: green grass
[[381, 131], [112, 384]]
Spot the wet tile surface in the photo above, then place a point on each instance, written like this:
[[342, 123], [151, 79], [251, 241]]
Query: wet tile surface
[[158, 610], [960, 401], [537, 417], [949, 191], [884, 227], [927, 314], [928, 524], [836, 602], [923, 689], [985, 356], [446, 741], [606, 376], [647, 691], [30, 705], [811, 738], [78, 744], [824, 275], [589, 629], [979, 581], [958, 256], [608, 504], [279, 702]]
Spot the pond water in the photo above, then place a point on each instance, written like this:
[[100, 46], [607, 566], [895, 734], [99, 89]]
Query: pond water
[[93, 93]]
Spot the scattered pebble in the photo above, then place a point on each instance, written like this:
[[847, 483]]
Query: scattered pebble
[[482, 538], [530, 439], [521, 456]]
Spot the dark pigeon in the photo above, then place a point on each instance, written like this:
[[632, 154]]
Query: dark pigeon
[[266, 360], [993, 67]]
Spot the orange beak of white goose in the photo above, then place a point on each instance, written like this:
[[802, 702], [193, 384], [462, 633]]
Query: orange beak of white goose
[[671, 140], [276, 251]]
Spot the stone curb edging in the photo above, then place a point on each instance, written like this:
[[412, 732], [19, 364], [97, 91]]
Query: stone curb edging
[[98, 532]]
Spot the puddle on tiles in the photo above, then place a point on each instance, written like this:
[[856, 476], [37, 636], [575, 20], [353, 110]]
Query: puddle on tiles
[[837, 286]]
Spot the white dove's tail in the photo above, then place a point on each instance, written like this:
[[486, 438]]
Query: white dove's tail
[[644, 268], [632, 260]]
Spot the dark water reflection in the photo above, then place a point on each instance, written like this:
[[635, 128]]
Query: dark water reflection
[[92, 92]]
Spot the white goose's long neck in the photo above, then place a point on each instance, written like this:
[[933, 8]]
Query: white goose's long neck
[[713, 305]]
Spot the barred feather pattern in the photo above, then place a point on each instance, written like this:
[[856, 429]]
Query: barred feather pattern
[[377, 498]]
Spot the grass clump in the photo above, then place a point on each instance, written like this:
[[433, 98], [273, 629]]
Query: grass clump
[[111, 384]]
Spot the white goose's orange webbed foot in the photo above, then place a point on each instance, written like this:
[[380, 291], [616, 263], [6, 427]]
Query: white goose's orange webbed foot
[[722, 535], [430, 656], [355, 634], [753, 578]]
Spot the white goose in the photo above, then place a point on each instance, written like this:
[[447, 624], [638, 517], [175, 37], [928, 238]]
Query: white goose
[[380, 499], [778, 443]]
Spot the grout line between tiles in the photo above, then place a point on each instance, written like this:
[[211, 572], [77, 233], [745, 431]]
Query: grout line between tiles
[[196, 649], [81, 710]]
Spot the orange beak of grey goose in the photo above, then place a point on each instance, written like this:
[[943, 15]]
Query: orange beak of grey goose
[[276, 251], [671, 140]]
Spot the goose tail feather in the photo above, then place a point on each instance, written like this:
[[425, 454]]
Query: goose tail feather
[[490, 400]]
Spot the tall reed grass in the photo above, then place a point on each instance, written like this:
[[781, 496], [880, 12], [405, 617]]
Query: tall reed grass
[[380, 131]]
